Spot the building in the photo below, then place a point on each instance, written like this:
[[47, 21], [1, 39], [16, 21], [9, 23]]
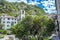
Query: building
[[8, 21]]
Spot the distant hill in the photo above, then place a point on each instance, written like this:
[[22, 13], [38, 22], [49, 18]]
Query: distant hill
[[13, 8]]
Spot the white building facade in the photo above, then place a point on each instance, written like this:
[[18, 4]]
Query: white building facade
[[8, 21]]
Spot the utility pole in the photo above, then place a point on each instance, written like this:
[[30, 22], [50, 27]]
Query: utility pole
[[58, 15]]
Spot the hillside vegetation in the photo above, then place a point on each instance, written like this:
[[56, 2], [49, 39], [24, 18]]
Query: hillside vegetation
[[13, 8]]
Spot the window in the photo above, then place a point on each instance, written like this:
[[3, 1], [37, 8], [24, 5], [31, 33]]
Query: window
[[3, 21], [15, 22], [15, 19], [8, 22], [8, 18], [7, 25], [12, 23], [12, 18]]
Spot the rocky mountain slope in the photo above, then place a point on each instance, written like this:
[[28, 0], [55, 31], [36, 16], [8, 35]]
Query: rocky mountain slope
[[13, 8]]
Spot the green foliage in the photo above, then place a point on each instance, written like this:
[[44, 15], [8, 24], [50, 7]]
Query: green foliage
[[33, 38], [18, 30], [13, 8], [46, 38], [37, 25], [27, 23], [8, 8], [1, 25], [3, 31], [0, 20], [50, 26]]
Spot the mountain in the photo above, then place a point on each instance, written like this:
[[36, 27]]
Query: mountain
[[13, 8], [47, 5], [8, 8]]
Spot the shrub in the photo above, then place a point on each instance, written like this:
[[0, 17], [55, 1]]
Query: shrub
[[33, 38], [46, 38], [3, 31], [0, 31]]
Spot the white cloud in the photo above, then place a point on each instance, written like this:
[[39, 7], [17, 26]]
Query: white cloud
[[21, 1], [11, 0], [33, 3], [24, 1]]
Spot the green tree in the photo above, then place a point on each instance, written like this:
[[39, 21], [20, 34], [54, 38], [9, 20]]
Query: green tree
[[23, 27], [37, 25], [1, 25], [50, 26]]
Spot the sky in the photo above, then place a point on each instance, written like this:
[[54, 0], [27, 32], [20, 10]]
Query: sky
[[47, 5], [12, 0]]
